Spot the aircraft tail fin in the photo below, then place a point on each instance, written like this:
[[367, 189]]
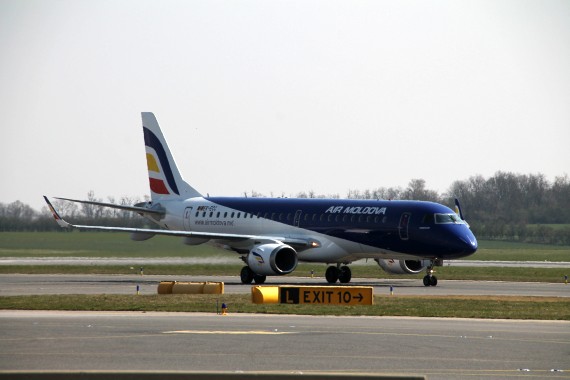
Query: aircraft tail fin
[[165, 180]]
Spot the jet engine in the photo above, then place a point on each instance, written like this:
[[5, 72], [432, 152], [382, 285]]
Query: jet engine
[[272, 259], [403, 266], [141, 236]]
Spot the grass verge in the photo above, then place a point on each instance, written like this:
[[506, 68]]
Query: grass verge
[[109, 244], [537, 308]]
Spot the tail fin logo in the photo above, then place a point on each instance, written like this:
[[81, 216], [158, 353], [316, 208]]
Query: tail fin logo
[[157, 185]]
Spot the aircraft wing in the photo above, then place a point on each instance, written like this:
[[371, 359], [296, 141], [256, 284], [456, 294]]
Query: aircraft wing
[[296, 242]]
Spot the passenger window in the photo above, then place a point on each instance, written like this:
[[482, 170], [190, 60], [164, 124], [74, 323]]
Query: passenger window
[[232, 215], [211, 213], [218, 215], [225, 214], [239, 215], [197, 213], [204, 214]]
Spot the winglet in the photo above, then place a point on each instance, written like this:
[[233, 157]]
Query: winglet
[[58, 219], [458, 210]]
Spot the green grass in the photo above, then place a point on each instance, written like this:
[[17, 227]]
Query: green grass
[[100, 244], [96, 244], [509, 251], [543, 308]]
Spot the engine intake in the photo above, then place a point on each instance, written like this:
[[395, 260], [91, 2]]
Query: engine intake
[[272, 259]]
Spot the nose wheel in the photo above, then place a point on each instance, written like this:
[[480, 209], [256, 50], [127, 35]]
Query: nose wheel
[[429, 278]]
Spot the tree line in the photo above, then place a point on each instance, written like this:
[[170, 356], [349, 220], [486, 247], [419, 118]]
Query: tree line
[[505, 206]]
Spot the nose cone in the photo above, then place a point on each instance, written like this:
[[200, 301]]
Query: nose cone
[[467, 242]]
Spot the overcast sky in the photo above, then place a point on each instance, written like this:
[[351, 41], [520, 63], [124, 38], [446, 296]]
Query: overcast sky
[[280, 96]]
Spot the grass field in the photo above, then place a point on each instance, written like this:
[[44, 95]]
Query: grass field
[[96, 244], [509, 251], [101, 244], [538, 308]]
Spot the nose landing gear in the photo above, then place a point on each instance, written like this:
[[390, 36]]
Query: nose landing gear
[[429, 278]]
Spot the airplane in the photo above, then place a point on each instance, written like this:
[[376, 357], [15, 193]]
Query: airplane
[[272, 235]]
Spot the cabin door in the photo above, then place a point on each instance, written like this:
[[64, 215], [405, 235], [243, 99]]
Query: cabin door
[[187, 215], [403, 226]]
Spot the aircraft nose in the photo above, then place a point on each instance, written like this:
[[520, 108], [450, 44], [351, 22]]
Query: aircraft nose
[[468, 242]]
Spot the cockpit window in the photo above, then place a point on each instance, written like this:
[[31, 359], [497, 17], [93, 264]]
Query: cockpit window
[[448, 219]]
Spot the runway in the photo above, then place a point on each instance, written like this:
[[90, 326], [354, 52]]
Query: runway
[[24, 284], [436, 348]]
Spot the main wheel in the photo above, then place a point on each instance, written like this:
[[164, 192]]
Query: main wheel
[[345, 275], [246, 275], [259, 278], [433, 281], [332, 274]]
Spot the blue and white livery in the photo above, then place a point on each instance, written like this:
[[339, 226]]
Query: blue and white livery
[[272, 235]]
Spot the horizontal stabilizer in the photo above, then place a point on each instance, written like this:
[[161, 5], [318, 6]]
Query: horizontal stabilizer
[[58, 219], [140, 210]]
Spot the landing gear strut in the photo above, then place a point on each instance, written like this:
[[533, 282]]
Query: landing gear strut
[[340, 273], [429, 278]]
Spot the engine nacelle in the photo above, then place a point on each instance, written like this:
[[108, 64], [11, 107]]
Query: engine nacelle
[[403, 266], [195, 240], [141, 236], [272, 259]]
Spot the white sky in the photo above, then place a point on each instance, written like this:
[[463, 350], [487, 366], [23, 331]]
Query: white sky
[[280, 96]]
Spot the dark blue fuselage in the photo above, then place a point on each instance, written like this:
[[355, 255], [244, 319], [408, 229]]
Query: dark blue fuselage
[[422, 229]]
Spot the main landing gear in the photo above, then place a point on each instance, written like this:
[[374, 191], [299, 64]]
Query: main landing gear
[[429, 278], [340, 273], [247, 276]]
